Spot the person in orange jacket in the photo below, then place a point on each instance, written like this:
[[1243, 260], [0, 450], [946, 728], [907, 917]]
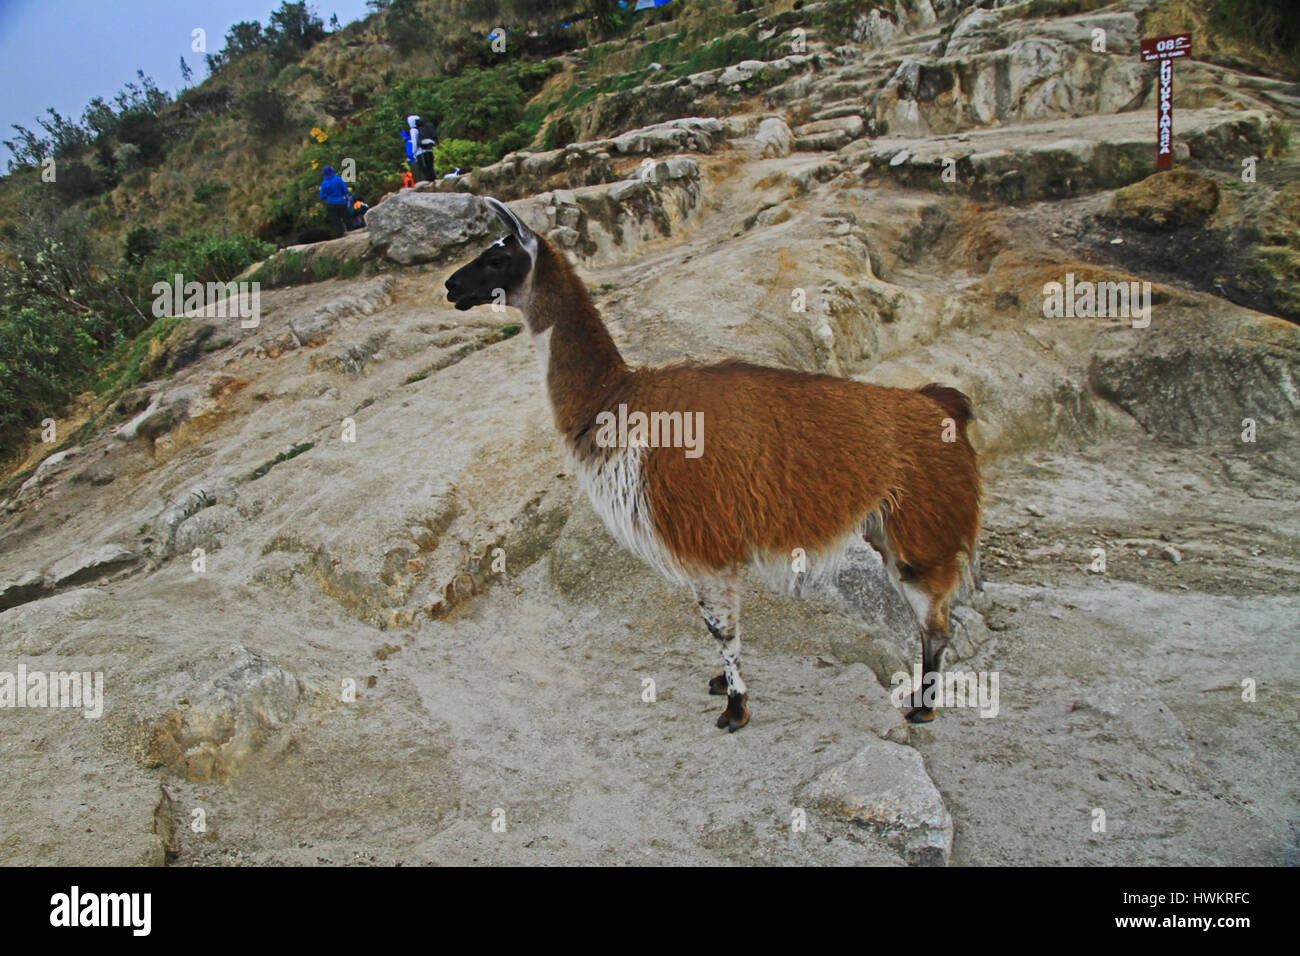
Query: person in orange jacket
[[407, 179]]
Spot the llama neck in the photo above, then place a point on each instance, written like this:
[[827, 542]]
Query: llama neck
[[583, 366]]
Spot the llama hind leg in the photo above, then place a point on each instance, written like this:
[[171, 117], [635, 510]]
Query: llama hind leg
[[720, 605]]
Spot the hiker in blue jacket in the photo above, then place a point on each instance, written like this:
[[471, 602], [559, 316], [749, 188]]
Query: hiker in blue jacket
[[410, 148], [334, 191], [408, 142]]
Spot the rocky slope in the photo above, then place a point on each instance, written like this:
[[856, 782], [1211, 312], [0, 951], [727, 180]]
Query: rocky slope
[[408, 627]]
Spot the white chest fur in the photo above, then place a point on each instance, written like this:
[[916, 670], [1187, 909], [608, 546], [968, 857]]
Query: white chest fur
[[616, 489]]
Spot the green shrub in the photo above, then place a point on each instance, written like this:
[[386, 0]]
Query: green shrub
[[76, 313], [140, 243], [201, 257], [209, 191], [462, 154], [725, 51], [289, 74], [121, 369], [42, 355], [77, 181], [324, 267], [266, 111]]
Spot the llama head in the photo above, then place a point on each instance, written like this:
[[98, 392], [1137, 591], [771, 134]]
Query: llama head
[[503, 271]]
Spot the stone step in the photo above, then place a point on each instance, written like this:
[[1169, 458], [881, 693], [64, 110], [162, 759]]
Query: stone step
[[841, 109], [1059, 158]]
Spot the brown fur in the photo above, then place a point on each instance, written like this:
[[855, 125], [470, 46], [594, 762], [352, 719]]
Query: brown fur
[[791, 459]]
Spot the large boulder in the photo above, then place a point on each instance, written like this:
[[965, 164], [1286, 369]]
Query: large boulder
[[1192, 382], [977, 32], [829, 133], [46, 470], [1169, 199], [875, 30], [885, 788], [774, 137], [220, 724], [411, 227]]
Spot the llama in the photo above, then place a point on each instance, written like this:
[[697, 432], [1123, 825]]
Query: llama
[[790, 460]]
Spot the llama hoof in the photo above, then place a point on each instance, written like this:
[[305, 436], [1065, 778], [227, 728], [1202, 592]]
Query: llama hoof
[[735, 716], [718, 686], [920, 715]]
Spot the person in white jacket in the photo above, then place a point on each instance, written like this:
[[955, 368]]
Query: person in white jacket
[[423, 137]]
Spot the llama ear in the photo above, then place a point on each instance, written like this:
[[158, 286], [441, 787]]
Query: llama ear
[[514, 224]]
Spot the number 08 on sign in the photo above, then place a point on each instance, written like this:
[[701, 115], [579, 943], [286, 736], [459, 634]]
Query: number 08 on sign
[[1164, 50]]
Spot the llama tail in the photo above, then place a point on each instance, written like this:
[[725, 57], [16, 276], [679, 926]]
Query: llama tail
[[957, 404]]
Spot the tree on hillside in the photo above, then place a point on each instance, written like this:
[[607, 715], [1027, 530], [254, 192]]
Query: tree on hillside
[[145, 132], [131, 120], [66, 136], [27, 148], [243, 38], [267, 111], [295, 27], [135, 107], [144, 98], [103, 119], [407, 29]]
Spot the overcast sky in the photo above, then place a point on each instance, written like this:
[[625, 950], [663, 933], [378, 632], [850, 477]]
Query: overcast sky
[[63, 53]]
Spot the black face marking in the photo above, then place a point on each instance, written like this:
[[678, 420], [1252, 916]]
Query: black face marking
[[497, 272]]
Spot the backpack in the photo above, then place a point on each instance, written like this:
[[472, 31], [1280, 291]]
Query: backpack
[[428, 134]]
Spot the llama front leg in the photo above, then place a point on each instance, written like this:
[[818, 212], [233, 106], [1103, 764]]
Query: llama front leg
[[929, 599], [927, 590], [720, 604], [934, 640]]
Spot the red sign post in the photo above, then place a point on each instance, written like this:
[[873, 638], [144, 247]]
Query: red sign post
[[1164, 50]]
